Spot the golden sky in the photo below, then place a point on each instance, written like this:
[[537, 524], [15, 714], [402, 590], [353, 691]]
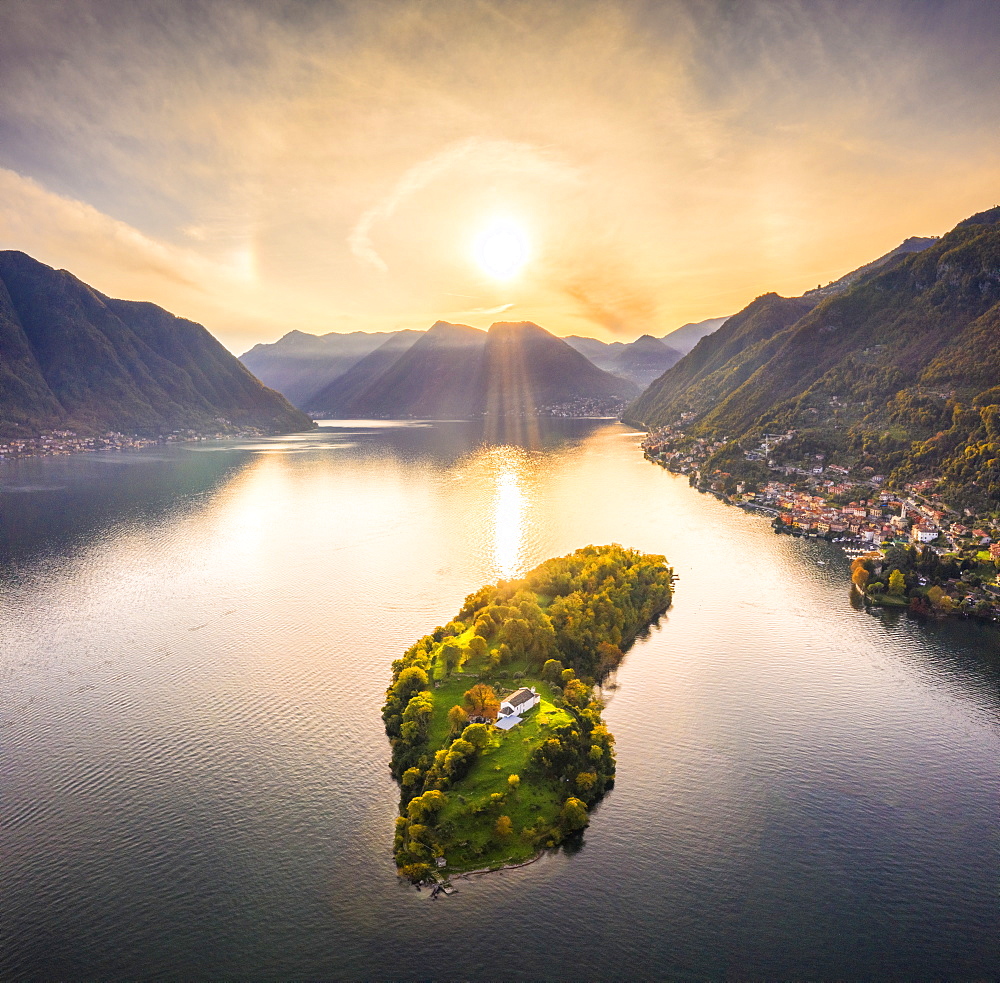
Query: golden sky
[[260, 167]]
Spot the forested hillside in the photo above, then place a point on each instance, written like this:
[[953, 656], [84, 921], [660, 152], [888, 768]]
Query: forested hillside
[[72, 358], [900, 372]]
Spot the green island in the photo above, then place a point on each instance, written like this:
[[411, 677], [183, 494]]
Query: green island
[[495, 724]]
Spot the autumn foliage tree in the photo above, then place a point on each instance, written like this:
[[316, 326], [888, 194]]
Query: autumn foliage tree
[[482, 701], [897, 583], [458, 719]]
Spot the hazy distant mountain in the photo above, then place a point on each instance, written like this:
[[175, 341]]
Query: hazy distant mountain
[[434, 378], [300, 364], [644, 360], [601, 353], [454, 371], [684, 338], [344, 395], [639, 361], [526, 368], [900, 371], [72, 358]]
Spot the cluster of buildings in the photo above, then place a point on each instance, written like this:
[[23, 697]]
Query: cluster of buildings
[[55, 442], [809, 499], [585, 406]]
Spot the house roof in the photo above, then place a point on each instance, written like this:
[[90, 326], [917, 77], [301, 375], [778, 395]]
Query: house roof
[[519, 696], [505, 723]]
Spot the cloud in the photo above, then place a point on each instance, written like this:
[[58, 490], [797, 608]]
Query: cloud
[[501, 156], [268, 166], [484, 311], [46, 224]]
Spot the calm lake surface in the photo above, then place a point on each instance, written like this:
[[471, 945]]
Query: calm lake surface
[[194, 648]]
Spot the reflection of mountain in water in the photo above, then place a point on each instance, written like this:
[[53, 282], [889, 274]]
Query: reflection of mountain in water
[[57, 503], [965, 649], [447, 441]]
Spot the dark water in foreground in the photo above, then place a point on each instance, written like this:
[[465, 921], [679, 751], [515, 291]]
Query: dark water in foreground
[[194, 646]]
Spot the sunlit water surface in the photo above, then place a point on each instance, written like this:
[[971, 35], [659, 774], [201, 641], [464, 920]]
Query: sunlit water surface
[[194, 646]]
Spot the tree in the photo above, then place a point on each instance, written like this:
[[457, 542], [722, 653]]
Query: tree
[[451, 655], [940, 601], [574, 814], [860, 577], [504, 826], [514, 781], [411, 680], [610, 657], [578, 693], [552, 671], [478, 735], [897, 583], [477, 646], [414, 872], [458, 719], [482, 701]]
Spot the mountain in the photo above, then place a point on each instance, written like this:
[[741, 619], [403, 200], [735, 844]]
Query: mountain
[[601, 353], [644, 360], [684, 338], [899, 372], [454, 371], [72, 358], [300, 364], [343, 396], [434, 378], [719, 362], [525, 368], [639, 361], [914, 244]]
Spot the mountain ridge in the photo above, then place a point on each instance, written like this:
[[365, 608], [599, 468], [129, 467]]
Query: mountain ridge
[[899, 372], [73, 357]]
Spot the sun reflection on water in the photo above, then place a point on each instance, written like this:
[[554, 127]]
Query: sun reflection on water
[[507, 468]]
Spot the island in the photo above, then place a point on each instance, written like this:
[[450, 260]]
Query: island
[[494, 719]]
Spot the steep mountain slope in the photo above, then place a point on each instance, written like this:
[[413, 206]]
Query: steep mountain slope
[[719, 362], [684, 338], [914, 244], [71, 357], [454, 371], [525, 368], [644, 360], [434, 378], [343, 396], [901, 370], [299, 364]]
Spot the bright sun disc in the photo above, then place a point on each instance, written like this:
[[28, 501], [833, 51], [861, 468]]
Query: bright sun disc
[[502, 250]]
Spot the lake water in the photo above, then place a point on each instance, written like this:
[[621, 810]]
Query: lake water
[[194, 647]]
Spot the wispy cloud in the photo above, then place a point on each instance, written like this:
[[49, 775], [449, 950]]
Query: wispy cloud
[[267, 166], [497, 156]]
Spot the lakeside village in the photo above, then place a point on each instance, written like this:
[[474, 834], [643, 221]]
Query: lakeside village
[[909, 548], [53, 443]]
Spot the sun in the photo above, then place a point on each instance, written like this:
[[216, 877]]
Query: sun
[[502, 250]]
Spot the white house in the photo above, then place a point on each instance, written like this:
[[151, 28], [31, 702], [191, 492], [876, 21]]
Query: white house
[[520, 701]]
